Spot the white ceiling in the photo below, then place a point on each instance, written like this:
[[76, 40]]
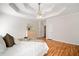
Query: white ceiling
[[29, 10]]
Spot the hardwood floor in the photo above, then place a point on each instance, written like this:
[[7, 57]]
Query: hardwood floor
[[57, 48]]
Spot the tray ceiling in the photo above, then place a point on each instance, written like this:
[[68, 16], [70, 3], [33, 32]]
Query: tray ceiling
[[29, 10]]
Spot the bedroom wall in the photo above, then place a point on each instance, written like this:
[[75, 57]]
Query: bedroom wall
[[41, 24], [16, 26], [63, 28]]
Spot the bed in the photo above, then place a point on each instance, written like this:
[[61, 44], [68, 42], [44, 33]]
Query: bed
[[26, 48]]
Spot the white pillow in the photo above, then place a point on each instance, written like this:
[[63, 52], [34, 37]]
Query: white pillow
[[2, 45]]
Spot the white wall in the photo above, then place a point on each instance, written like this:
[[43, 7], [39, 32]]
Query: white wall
[[64, 28], [16, 26], [41, 28]]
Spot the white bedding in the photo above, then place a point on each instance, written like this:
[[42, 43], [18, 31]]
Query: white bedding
[[27, 48]]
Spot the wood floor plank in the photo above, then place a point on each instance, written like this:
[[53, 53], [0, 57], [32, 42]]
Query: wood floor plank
[[57, 48]]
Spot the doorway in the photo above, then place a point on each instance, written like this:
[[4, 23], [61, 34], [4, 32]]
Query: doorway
[[44, 31]]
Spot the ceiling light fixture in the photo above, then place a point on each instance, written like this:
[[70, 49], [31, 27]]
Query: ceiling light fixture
[[39, 14]]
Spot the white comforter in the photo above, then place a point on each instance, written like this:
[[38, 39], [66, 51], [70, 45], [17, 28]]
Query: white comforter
[[27, 48]]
